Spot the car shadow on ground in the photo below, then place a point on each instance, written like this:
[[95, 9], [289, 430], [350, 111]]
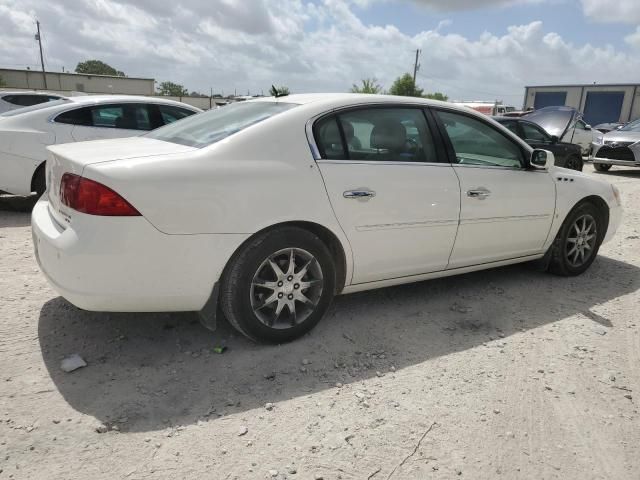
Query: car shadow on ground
[[152, 371], [14, 211]]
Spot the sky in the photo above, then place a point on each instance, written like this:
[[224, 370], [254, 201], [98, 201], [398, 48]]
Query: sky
[[470, 49]]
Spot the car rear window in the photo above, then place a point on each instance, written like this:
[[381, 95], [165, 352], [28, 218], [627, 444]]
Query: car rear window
[[33, 108], [210, 127]]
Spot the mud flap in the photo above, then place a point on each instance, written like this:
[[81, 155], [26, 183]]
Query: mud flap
[[209, 313]]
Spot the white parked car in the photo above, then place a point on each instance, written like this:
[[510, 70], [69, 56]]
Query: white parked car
[[10, 100], [269, 208], [25, 133]]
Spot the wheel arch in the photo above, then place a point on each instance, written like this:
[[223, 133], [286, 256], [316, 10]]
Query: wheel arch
[[329, 238], [602, 206], [39, 169]]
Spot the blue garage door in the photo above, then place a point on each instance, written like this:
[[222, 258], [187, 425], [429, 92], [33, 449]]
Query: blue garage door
[[603, 107], [549, 99]]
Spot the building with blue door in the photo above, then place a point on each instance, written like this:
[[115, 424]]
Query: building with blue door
[[599, 103]]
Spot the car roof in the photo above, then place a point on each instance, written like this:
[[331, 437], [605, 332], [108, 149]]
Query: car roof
[[99, 99], [343, 99], [30, 92]]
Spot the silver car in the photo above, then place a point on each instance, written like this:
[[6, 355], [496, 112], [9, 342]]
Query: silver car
[[618, 147]]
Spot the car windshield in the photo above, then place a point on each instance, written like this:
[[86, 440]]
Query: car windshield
[[631, 127], [33, 108], [212, 126], [553, 119]]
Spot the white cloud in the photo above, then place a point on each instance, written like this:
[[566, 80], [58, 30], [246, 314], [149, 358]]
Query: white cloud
[[309, 47], [634, 38], [623, 11]]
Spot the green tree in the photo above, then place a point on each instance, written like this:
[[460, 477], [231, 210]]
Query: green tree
[[436, 96], [405, 87], [280, 91], [97, 67], [172, 89], [369, 85]]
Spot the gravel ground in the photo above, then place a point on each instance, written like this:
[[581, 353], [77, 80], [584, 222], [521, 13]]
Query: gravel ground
[[507, 373]]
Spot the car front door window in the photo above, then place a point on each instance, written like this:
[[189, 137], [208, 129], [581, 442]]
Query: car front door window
[[533, 134], [478, 143]]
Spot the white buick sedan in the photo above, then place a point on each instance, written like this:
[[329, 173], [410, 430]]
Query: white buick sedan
[[265, 210], [25, 133]]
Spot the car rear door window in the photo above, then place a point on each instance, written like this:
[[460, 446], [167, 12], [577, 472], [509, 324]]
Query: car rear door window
[[128, 116], [511, 125], [171, 114], [477, 143], [377, 134]]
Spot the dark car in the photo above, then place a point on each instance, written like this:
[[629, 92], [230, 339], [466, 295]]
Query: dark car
[[568, 155]]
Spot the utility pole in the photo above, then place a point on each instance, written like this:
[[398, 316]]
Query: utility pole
[[416, 67], [44, 75]]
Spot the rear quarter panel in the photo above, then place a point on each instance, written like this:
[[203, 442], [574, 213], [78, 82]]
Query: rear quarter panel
[[259, 177]]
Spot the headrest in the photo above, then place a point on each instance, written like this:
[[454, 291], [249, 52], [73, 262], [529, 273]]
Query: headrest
[[389, 135], [330, 134]]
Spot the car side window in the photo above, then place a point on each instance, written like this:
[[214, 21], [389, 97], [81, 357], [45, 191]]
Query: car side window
[[511, 125], [328, 139], [387, 135], [478, 143], [532, 133], [77, 116], [127, 116], [26, 100], [580, 125], [171, 114]]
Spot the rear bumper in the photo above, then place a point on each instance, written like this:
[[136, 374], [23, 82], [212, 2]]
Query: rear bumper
[[124, 264]]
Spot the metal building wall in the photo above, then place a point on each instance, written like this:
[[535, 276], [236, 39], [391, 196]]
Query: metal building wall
[[577, 97]]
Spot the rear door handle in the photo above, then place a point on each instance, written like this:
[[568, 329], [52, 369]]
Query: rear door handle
[[361, 193], [480, 193]]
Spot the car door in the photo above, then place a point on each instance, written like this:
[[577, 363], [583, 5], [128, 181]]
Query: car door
[[393, 192], [581, 135], [112, 121], [538, 138], [506, 209]]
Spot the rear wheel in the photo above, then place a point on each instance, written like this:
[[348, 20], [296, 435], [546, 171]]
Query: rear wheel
[[279, 285], [574, 163], [576, 244], [601, 167]]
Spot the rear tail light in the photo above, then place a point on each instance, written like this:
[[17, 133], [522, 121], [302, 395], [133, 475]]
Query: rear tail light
[[93, 198]]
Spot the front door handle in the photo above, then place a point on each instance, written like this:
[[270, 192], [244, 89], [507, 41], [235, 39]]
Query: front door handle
[[361, 193], [480, 193]]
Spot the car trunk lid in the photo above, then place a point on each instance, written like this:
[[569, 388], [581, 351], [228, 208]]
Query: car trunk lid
[[74, 157]]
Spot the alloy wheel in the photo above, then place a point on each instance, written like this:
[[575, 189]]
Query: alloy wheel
[[286, 288], [581, 240]]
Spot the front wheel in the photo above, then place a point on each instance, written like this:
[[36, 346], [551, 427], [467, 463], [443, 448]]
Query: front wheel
[[601, 167], [576, 244], [279, 285]]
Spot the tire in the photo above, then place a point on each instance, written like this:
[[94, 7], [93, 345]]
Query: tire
[[574, 163], [259, 281], [601, 167], [566, 257], [39, 183]]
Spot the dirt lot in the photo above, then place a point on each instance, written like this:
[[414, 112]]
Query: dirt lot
[[508, 374]]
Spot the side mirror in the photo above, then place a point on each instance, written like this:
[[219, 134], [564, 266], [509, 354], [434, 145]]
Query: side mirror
[[554, 139], [541, 159], [587, 127]]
